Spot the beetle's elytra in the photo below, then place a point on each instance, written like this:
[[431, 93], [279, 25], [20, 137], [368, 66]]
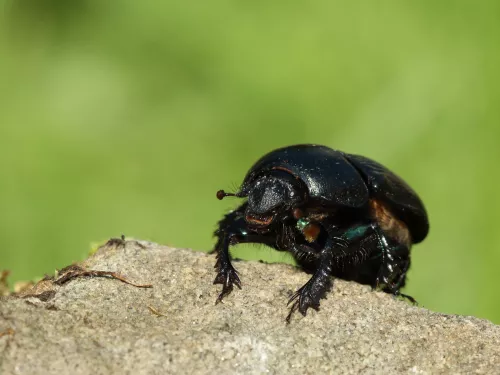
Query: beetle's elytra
[[338, 214]]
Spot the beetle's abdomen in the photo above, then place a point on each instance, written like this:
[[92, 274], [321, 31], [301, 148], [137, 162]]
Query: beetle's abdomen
[[395, 194]]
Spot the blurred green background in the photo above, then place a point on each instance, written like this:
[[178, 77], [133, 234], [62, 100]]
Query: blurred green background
[[127, 117]]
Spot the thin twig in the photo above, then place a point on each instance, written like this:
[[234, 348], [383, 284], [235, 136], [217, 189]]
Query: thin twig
[[76, 271]]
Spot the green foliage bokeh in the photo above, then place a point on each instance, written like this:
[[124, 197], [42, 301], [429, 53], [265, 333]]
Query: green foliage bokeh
[[127, 117]]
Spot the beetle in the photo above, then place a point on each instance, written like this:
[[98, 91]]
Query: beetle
[[339, 215]]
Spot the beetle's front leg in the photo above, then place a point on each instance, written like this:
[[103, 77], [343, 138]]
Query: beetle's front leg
[[310, 294], [232, 225], [226, 274], [233, 229]]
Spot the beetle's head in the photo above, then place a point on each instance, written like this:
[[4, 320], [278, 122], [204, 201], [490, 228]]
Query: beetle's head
[[269, 197]]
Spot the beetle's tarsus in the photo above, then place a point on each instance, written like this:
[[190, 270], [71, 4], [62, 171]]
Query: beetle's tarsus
[[292, 311], [308, 296], [301, 303], [406, 296], [303, 299], [227, 278], [226, 290]]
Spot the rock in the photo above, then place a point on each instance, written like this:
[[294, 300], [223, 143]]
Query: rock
[[98, 325]]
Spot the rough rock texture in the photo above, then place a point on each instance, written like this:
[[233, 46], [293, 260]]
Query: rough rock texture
[[95, 325]]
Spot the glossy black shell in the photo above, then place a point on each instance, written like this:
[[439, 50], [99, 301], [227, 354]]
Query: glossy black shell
[[338, 179]]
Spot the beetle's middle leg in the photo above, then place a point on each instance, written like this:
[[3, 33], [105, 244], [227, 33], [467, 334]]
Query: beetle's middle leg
[[232, 229], [381, 260]]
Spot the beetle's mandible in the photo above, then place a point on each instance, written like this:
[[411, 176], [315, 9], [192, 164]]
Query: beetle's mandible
[[339, 215]]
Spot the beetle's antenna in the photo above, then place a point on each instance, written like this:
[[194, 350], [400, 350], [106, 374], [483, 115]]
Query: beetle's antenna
[[221, 194]]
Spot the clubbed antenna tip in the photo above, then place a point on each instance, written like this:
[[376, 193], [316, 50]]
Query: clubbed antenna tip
[[221, 194]]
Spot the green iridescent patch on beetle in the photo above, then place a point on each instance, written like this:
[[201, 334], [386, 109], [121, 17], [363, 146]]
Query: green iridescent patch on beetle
[[302, 223], [355, 232]]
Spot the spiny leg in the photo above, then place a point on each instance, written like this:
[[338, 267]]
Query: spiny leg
[[395, 263], [305, 256], [231, 225], [233, 229], [310, 294], [341, 250], [226, 274]]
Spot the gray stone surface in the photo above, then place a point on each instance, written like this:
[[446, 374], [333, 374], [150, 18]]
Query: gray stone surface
[[104, 326]]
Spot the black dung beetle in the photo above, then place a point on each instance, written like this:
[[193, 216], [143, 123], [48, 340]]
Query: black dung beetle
[[339, 215]]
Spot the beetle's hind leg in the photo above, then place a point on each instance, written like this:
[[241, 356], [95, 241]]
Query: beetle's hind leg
[[394, 265]]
